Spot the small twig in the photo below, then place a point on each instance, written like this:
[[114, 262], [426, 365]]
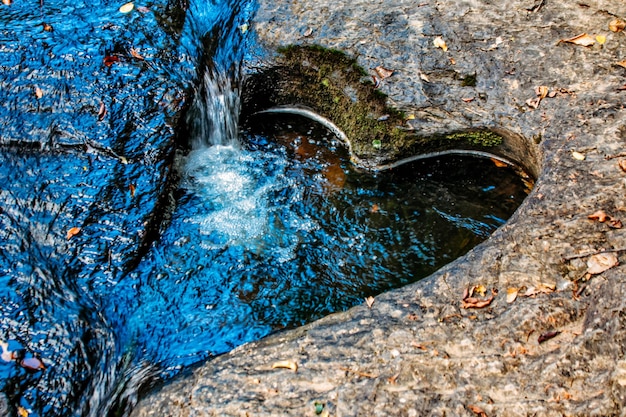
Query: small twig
[[617, 155], [584, 255]]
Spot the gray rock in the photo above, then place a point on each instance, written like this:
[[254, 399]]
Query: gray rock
[[435, 357]]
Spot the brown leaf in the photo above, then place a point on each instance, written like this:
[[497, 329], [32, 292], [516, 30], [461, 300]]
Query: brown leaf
[[583, 40], [110, 60], [72, 232], [102, 112], [621, 63], [21, 411], [615, 224], [47, 27], [6, 2], [622, 164], [472, 302], [617, 25], [542, 288], [383, 72], [468, 99], [132, 187], [369, 301], [136, 54], [533, 103], [477, 410], [600, 216], [498, 163], [547, 336], [601, 262]]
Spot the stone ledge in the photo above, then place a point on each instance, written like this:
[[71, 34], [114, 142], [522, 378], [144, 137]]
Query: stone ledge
[[416, 351]]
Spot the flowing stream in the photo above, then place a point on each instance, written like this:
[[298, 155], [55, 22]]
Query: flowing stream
[[271, 225]]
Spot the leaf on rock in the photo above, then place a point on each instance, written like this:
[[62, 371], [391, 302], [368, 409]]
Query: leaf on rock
[[600, 216], [583, 40], [617, 25], [110, 60], [477, 410], [542, 91], [601, 39], [369, 301], [383, 72], [136, 54], [547, 336], [102, 112], [286, 364], [601, 262], [511, 294], [578, 156], [622, 164], [72, 232], [440, 43], [621, 63], [472, 302], [542, 288], [127, 8]]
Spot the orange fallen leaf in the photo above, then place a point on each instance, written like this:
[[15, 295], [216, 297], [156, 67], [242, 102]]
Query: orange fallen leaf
[[498, 163], [131, 187], [468, 99], [472, 302], [600, 216], [38, 92], [6, 2], [47, 27], [72, 232], [547, 336], [383, 72], [617, 25], [542, 91], [622, 164], [110, 60], [601, 262], [477, 410], [21, 411], [583, 40], [374, 208], [621, 63], [136, 54]]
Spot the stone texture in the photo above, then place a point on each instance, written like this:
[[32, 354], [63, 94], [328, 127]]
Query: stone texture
[[416, 351]]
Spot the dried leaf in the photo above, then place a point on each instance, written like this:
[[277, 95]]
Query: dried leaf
[[383, 72], [32, 364], [622, 63], [286, 364], [547, 336], [21, 411], [440, 43], [617, 25], [542, 288], [601, 39], [583, 40], [136, 54], [498, 163], [424, 77], [480, 290], [472, 302], [47, 27], [72, 232], [244, 28], [127, 8], [131, 187], [600, 216], [542, 91], [477, 410], [110, 60], [578, 156], [6, 2], [38, 92], [308, 32], [622, 164], [533, 103], [6, 355], [601, 262], [102, 112], [615, 224], [511, 294], [468, 99], [369, 301]]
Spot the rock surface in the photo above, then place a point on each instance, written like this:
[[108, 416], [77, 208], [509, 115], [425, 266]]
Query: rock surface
[[416, 351]]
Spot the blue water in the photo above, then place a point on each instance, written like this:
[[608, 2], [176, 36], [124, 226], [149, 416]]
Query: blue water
[[195, 235]]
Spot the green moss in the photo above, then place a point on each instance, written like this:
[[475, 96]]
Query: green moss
[[480, 138]]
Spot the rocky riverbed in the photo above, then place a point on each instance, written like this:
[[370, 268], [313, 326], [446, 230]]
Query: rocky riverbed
[[551, 341]]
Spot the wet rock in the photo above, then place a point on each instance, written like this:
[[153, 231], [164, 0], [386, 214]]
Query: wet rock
[[416, 351]]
